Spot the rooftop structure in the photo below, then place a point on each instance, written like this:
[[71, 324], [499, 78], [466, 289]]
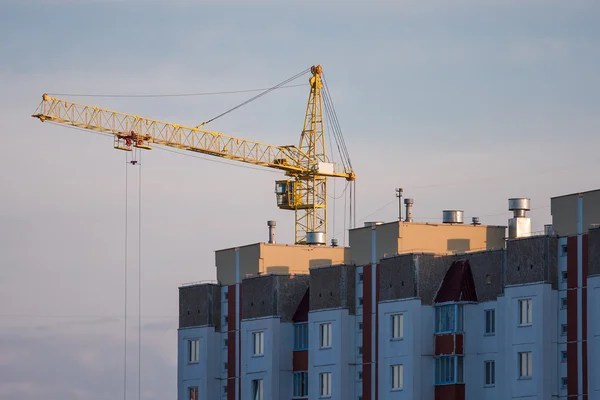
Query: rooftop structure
[[497, 317]]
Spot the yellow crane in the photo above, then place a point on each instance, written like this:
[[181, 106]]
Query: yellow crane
[[306, 166]]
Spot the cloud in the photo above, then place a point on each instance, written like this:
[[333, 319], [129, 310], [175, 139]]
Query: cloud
[[86, 367]]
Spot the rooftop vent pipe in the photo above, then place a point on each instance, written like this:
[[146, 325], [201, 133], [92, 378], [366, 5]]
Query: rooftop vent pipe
[[519, 225], [271, 225], [452, 216], [409, 204]]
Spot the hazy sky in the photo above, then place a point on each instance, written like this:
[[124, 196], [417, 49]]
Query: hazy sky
[[462, 103]]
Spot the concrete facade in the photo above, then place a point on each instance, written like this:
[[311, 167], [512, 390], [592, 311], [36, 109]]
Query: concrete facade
[[564, 210], [400, 237], [515, 322], [267, 258]]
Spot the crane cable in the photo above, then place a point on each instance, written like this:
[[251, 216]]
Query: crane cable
[[138, 163], [140, 275], [257, 96], [126, 254]]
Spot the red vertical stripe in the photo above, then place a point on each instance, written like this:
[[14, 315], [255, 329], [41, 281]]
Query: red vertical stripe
[[367, 353], [584, 314], [376, 333], [231, 303], [572, 373]]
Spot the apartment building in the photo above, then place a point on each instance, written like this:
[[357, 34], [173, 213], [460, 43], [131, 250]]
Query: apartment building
[[410, 311]]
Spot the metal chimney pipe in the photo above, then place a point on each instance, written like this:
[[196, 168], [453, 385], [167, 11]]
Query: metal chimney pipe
[[271, 225], [399, 196], [409, 204]]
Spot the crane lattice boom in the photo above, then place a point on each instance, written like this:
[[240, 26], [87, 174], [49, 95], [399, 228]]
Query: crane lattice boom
[[307, 164]]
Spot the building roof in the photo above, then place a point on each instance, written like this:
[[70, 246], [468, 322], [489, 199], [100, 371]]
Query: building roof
[[458, 284]]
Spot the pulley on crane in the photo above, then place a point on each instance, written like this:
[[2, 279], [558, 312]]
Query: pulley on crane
[[307, 165]]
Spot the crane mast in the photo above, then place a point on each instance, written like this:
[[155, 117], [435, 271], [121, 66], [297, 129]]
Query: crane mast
[[310, 222], [306, 166]]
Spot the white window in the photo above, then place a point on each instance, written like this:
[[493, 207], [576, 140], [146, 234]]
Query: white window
[[301, 384], [193, 350], [525, 312], [360, 301], [325, 384], [563, 329], [397, 321], [563, 250], [325, 333], [490, 322], [225, 390], [360, 350], [258, 339], [490, 373], [225, 341], [301, 336], [449, 370], [225, 320], [563, 356], [360, 326], [563, 276], [525, 365], [563, 382], [360, 277], [397, 377], [359, 376], [563, 302], [193, 393], [225, 365], [257, 389], [226, 296], [449, 318]]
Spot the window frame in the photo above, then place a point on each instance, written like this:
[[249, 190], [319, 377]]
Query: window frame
[[563, 356], [193, 346], [192, 393], [563, 329], [563, 303], [260, 335], [455, 363], [397, 327], [397, 377], [448, 318], [528, 314], [325, 332], [300, 336], [300, 384], [528, 364], [257, 387], [489, 373], [487, 330], [564, 276], [325, 385], [564, 382]]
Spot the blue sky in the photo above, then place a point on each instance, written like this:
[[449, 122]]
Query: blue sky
[[462, 103]]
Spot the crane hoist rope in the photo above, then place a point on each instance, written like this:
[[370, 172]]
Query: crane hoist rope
[[306, 166]]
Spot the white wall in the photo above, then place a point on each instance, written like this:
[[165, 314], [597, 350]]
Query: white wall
[[405, 351], [358, 338], [427, 352], [480, 347], [201, 374], [593, 298], [540, 338], [340, 359], [265, 367]]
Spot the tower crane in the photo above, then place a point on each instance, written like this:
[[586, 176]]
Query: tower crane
[[306, 166]]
